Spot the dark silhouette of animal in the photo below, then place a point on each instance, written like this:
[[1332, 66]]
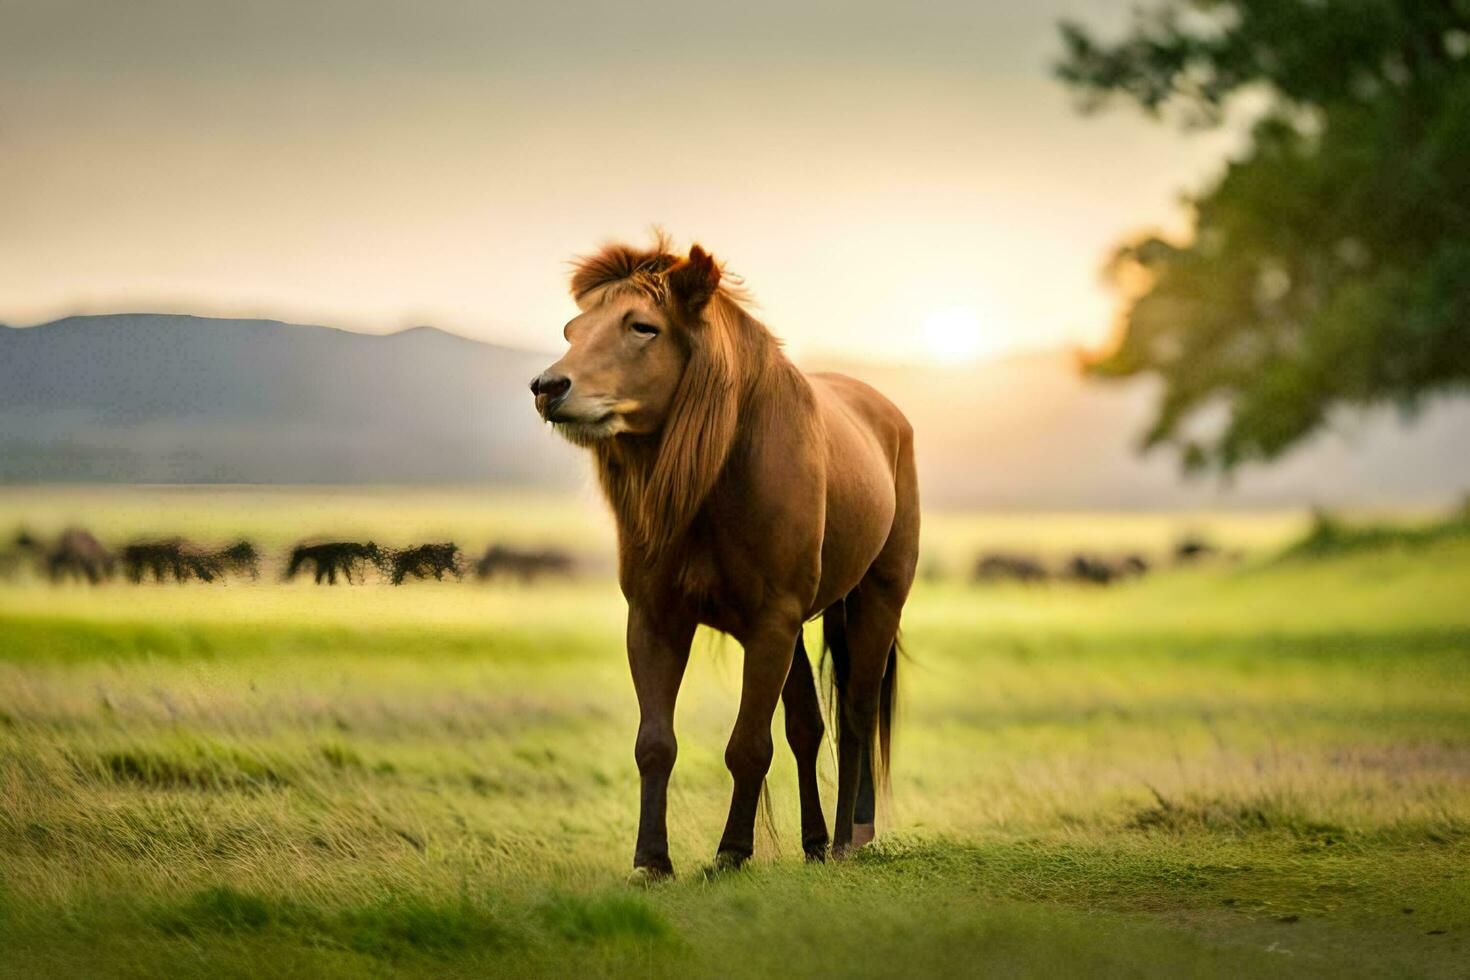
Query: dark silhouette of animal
[[23, 547], [163, 559], [333, 557], [423, 561], [142, 557], [1193, 549], [1006, 567], [1092, 569], [77, 555], [1135, 565], [175, 558], [240, 558], [749, 497], [527, 566]]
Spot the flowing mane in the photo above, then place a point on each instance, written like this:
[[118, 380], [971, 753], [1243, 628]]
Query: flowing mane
[[657, 484]]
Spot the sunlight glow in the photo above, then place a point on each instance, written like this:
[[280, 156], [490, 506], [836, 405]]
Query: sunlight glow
[[954, 336]]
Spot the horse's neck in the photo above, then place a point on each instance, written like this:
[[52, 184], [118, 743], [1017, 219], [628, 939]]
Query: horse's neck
[[768, 390]]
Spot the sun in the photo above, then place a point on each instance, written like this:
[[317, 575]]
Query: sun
[[954, 336]]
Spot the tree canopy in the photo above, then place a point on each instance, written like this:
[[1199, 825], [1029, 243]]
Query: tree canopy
[[1330, 263]]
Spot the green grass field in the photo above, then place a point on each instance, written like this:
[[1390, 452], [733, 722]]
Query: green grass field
[[1251, 768]]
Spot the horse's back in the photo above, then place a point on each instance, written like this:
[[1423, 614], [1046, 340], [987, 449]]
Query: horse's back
[[869, 460], [842, 399]]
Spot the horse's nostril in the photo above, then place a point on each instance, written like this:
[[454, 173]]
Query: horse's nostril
[[551, 385]]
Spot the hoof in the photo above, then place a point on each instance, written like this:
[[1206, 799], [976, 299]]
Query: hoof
[[650, 874], [726, 862], [862, 835], [815, 850]]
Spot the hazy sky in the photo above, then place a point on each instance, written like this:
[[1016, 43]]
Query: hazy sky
[[891, 179]]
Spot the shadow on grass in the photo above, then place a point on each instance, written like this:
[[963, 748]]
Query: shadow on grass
[[586, 918], [1180, 861], [202, 767], [1262, 816], [389, 929], [400, 926]]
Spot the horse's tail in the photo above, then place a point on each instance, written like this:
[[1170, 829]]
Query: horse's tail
[[887, 696], [835, 662]]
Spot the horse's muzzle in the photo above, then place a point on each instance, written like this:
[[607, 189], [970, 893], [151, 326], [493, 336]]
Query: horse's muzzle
[[550, 391]]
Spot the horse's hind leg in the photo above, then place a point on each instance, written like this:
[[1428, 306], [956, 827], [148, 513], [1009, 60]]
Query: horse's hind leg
[[872, 625], [804, 734], [870, 632], [865, 810]]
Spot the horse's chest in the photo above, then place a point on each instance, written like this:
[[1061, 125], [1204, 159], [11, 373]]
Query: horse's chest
[[703, 584], [724, 586]]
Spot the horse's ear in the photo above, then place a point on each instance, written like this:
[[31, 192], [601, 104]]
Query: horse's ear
[[693, 281]]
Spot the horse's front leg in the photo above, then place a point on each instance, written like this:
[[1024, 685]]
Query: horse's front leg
[[768, 653], [658, 650]]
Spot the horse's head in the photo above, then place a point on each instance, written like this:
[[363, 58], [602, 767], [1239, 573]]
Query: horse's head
[[630, 345]]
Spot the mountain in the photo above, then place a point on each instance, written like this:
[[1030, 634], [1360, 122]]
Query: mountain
[[154, 398]]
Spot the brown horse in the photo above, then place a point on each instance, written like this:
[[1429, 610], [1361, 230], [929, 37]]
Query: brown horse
[[750, 498]]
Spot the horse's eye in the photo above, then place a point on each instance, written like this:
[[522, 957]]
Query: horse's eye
[[645, 329]]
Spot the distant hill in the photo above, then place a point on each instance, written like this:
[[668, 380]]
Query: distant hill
[[175, 399], [153, 398]]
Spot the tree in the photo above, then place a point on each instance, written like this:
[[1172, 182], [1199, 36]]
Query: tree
[[1330, 265]]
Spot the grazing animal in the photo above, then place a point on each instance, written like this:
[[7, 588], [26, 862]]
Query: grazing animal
[[161, 558], [1090, 568], [78, 555], [1005, 567], [23, 546], [177, 559], [1136, 565], [332, 557], [204, 565], [240, 558], [524, 565], [1193, 549], [749, 497], [425, 560]]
